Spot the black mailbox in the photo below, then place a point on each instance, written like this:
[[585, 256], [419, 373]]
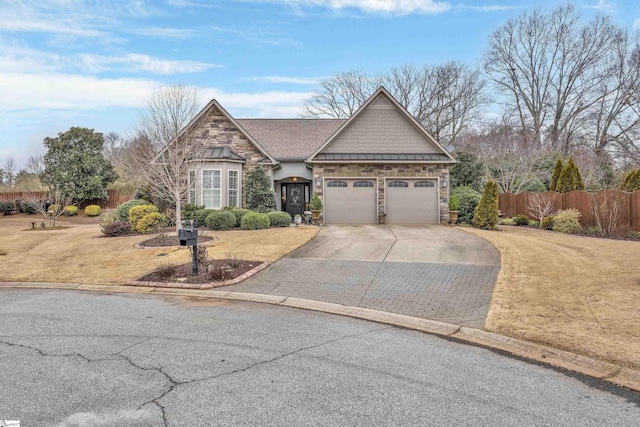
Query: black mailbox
[[188, 236]]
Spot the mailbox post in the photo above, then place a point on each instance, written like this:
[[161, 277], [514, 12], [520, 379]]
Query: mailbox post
[[189, 237]]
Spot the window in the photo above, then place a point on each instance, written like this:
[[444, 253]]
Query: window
[[233, 189], [398, 184], [211, 189], [192, 187], [337, 184], [363, 184], [424, 184]]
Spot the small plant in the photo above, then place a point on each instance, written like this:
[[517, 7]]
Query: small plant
[[116, 228], [202, 255], [122, 212], [234, 261], [92, 210], [279, 219], [521, 220], [239, 213], [71, 210], [486, 214], [534, 223], [593, 231], [255, 221], [43, 225], [166, 271], [507, 221], [315, 204], [220, 220], [202, 214], [6, 207], [567, 221], [547, 223], [136, 213], [216, 274], [151, 223], [454, 202]]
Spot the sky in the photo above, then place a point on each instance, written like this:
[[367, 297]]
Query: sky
[[92, 63]]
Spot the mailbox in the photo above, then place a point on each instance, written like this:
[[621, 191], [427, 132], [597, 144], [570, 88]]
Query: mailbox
[[188, 236]]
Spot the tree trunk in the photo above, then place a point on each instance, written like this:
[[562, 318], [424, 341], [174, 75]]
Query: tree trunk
[[176, 195]]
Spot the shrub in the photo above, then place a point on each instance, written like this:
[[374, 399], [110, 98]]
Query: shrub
[[454, 202], [166, 271], [25, 208], [486, 214], [6, 207], [220, 220], [534, 223], [521, 220], [92, 210], [202, 255], [189, 211], [567, 221], [55, 208], [315, 204], [507, 221], [151, 222], [469, 199], [71, 210], [547, 223], [122, 211], [255, 221], [136, 213], [279, 219], [632, 181], [259, 195], [216, 274], [202, 214], [239, 213], [570, 178], [116, 228], [557, 170]]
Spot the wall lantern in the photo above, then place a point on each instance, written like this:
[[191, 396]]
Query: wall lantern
[[444, 183], [318, 181], [295, 179]]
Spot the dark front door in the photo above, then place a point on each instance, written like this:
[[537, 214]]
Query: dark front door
[[295, 199]]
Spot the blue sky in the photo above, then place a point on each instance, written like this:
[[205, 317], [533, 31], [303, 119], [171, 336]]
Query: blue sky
[[88, 63]]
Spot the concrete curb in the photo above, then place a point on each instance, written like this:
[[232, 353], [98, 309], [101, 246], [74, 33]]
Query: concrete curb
[[624, 377]]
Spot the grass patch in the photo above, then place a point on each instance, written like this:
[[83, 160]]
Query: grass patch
[[3, 252], [570, 292]]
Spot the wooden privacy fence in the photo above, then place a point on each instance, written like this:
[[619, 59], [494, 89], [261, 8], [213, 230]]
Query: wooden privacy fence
[[513, 204], [113, 199]]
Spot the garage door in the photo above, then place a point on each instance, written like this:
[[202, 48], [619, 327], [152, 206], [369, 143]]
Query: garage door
[[350, 201], [412, 201]]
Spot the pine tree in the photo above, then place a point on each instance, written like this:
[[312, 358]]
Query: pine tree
[[632, 181], [259, 195], [577, 178], [486, 213], [557, 170], [570, 178]]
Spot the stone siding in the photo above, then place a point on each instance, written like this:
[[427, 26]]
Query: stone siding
[[381, 171]]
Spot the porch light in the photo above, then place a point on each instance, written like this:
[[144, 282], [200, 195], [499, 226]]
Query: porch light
[[318, 181], [444, 182], [295, 179]]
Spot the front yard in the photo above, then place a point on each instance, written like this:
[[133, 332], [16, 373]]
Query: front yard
[[79, 254], [579, 294]]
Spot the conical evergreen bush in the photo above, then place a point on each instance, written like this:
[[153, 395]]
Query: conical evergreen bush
[[557, 170], [486, 214]]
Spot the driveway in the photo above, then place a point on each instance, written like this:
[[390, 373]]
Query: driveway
[[434, 272]]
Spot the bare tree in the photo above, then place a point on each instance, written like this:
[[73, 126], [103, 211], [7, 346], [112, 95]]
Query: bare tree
[[540, 205], [608, 207], [50, 208], [10, 172], [112, 147], [340, 96], [164, 144], [35, 164]]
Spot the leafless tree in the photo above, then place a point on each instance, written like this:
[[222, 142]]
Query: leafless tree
[[340, 96], [50, 208], [540, 205], [35, 164], [112, 147], [164, 145], [608, 207], [9, 172]]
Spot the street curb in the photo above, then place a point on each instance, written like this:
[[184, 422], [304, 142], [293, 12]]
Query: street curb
[[624, 377]]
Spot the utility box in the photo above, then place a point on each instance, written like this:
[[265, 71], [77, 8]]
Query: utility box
[[188, 236]]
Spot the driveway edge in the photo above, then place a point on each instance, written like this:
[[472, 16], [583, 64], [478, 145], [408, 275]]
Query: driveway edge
[[624, 377]]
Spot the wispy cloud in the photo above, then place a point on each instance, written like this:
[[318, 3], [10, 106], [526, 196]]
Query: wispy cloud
[[488, 8], [601, 5], [135, 62], [636, 24], [171, 33], [396, 7], [287, 80]]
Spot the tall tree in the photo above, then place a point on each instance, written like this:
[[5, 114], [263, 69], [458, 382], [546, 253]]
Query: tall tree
[[557, 170], [74, 166], [35, 164], [9, 172]]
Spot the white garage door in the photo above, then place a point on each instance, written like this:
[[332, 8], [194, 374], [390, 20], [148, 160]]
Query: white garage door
[[412, 201], [350, 201]]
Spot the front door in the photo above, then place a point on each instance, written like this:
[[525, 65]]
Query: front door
[[295, 199]]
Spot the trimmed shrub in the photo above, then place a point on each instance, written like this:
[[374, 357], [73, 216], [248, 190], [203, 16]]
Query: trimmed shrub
[[92, 210], [521, 220], [71, 210], [570, 178], [220, 220], [189, 211], [259, 195], [454, 202], [6, 207], [486, 214], [255, 221], [151, 222], [202, 214], [567, 221], [547, 223], [279, 219], [136, 213], [469, 199], [315, 204], [55, 208], [117, 228], [507, 221], [239, 213], [632, 181], [122, 212], [534, 223]]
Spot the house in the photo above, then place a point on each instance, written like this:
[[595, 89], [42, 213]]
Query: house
[[379, 166]]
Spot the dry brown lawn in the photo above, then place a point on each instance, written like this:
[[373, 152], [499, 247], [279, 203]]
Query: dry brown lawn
[[580, 294], [78, 254]]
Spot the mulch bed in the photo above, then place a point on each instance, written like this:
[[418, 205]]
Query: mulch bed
[[165, 240], [217, 270]]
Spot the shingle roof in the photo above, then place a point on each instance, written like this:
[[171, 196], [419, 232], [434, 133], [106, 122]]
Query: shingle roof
[[381, 156], [290, 138], [220, 153]]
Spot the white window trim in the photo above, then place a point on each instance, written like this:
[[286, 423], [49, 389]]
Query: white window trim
[[195, 187], [202, 189], [237, 189]]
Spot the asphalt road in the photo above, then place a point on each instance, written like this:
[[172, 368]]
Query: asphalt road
[[83, 359]]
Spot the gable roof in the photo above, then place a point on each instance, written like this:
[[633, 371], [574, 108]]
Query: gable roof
[[291, 139], [443, 156]]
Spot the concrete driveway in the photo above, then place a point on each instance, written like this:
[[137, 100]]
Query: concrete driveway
[[435, 272]]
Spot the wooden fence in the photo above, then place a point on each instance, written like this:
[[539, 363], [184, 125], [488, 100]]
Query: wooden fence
[[113, 198], [513, 204]]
